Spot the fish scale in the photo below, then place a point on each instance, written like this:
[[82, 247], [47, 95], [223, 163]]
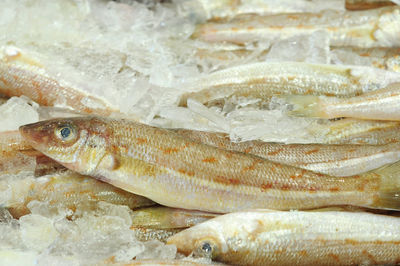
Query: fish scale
[[178, 172], [262, 237]]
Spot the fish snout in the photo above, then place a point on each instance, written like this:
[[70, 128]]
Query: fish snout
[[34, 134]]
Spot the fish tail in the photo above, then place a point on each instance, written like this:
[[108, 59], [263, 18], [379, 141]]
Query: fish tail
[[389, 191], [305, 106]]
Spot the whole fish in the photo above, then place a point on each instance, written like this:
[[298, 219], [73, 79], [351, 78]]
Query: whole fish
[[262, 80], [382, 104], [167, 218], [178, 172], [68, 190], [22, 75], [294, 238], [370, 28], [336, 160]]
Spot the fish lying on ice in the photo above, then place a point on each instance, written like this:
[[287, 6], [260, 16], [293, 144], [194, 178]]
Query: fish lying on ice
[[294, 238], [178, 172], [217, 9], [67, 190], [382, 104], [22, 75], [263, 80], [383, 58], [370, 28]]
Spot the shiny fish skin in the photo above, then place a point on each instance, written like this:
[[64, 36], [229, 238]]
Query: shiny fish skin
[[146, 234], [227, 8], [336, 160], [20, 75], [178, 172], [354, 131], [262, 80], [382, 104], [166, 218], [68, 190], [370, 28], [383, 58], [295, 238]]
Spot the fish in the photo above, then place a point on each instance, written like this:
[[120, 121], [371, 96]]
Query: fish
[[335, 160], [226, 8], [368, 28], [382, 104], [177, 172], [383, 58], [21, 74], [160, 217], [355, 131], [265, 79], [67, 190], [257, 237]]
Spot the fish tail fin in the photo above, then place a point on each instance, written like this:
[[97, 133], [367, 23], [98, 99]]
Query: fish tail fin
[[389, 191], [305, 106]]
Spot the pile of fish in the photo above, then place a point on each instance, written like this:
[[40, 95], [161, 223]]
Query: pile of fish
[[332, 201]]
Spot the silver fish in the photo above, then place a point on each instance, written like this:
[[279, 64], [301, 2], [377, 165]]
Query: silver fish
[[295, 238]]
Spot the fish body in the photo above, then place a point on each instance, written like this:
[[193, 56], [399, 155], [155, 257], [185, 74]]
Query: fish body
[[68, 190], [228, 8], [263, 80], [384, 58], [356, 131], [335, 160], [22, 75], [370, 28], [295, 238], [178, 172], [382, 104]]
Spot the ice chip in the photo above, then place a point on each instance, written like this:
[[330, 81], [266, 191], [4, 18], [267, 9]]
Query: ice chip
[[158, 250], [15, 113], [37, 232]]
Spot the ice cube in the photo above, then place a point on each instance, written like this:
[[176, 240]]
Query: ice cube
[[37, 232], [155, 249], [17, 112]]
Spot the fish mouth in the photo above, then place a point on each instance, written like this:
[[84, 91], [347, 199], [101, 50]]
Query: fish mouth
[[32, 135]]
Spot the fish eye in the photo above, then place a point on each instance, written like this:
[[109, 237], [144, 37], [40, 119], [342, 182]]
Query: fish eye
[[206, 249], [65, 132]]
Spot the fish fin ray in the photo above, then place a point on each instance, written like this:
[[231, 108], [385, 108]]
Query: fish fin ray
[[305, 106], [389, 191]]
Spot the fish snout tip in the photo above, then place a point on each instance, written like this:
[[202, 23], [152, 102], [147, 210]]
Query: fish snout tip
[[30, 133]]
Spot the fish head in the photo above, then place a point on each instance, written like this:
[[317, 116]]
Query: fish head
[[77, 143], [203, 240]]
